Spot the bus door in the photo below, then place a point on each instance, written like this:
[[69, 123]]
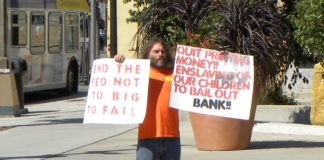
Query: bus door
[[85, 46], [17, 40], [36, 60], [55, 44]]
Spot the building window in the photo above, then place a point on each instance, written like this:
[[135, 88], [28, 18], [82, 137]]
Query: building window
[[18, 29], [54, 32], [37, 36], [71, 32]]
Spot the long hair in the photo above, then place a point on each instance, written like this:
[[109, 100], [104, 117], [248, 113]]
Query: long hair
[[144, 54]]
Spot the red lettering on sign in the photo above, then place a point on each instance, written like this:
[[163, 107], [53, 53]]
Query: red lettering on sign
[[138, 69], [100, 68], [181, 88], [213, 55], [226, 94], [92, 109], [119, 81], [114, 110], [97, 95], [115, 96], [135, 97], [105, 109], [118, 110], [200, 92], [129, 68], [124, 110], [180, 79], [98, 81], [126, 96], [189, 51], [190, 61]]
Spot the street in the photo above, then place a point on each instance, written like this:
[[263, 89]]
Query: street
[[53, 130]]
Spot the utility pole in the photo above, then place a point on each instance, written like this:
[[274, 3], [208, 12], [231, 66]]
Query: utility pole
[[113, 28], [3, 40], [93, 31]]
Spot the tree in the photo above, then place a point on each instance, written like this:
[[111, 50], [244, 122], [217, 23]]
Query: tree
[[175, 20], [247, 27], [308, 20]]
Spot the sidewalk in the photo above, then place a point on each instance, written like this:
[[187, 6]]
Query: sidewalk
[[50, 129], [263, 146], [54, 130]]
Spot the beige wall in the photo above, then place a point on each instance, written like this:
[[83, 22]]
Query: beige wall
[[125, 31]]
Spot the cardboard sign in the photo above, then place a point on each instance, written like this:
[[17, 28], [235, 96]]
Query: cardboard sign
[[117, 92], [209, 82]]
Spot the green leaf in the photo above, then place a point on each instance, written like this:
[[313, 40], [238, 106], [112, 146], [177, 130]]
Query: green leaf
[[168, 28]]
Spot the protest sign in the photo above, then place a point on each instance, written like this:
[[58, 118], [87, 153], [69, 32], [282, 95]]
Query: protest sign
[[209, 82], [117, 92]]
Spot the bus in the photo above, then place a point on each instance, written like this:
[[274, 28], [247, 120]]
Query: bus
[[47, 43]]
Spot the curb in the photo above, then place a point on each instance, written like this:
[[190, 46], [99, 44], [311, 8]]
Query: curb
[[280, 119], [283, 113], [273, 113], [289, 129]]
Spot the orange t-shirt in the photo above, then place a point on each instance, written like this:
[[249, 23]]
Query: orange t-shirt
[[160, 120]]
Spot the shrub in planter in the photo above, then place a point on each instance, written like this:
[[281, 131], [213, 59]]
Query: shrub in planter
[[249, 28], [177, 21], [239, 26]]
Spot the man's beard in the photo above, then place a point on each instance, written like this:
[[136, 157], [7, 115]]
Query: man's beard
[[158, 62]]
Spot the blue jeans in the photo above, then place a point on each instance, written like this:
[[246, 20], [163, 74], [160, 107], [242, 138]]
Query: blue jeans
[[158, 149]]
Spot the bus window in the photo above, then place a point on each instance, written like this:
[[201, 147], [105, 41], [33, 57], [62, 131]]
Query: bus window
[[82, 25], [18, 29], [86, 28], [71, 32], [54, 32], [37, 36]]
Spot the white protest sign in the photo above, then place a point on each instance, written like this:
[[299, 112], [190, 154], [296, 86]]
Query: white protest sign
[[209, 82], [117, 92]]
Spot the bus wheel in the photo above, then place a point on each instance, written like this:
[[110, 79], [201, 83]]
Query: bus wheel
[[71, 81]]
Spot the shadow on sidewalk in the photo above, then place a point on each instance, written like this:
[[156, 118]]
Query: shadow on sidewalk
[[50, 96], [284, 144], [49, 122], [49, 156], [38, 113]]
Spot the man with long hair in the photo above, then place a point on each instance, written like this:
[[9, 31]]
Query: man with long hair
[[158, 135]]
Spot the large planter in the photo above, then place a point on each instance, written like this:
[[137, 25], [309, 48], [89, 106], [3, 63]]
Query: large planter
[[219, 133]]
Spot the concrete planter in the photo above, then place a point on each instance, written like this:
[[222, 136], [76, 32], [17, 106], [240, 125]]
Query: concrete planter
[[9, 102], [317, 110], [218, 133]]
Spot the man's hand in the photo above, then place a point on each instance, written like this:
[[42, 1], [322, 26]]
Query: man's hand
[[119, 58], [223, 52]]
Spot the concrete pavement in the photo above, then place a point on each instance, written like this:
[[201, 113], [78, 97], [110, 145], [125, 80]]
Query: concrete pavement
[[50, 129], [54, 130], [263, 146]]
